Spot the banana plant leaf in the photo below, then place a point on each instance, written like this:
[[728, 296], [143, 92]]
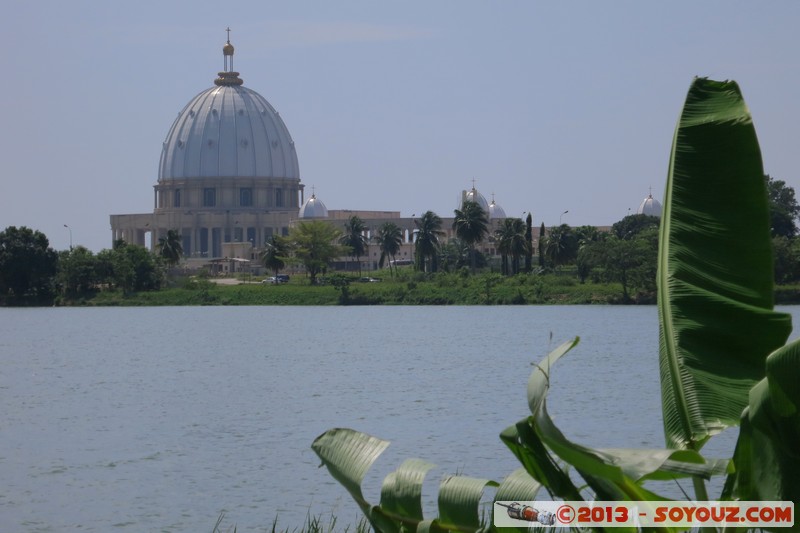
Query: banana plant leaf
[[715, 270], [518, 486], [616, 465], [459, 499], [401, 492], [767, 455], [612, 474], [531, 452], [349, 454]]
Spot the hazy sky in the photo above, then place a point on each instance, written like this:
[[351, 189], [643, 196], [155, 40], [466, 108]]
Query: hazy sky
[[553, 106]]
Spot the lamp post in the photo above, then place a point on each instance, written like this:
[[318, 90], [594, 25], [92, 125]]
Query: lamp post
[[70, 237], [562, 216]]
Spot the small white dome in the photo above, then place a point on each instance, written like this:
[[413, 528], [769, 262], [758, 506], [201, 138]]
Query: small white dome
[[649, 206], [313, 208], [495, 211], [474, 196]]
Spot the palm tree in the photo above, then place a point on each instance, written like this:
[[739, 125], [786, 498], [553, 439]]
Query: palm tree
[[587, 236], [389, 239], [354, 238], [471, 225], [520, 244], [426, 247], [275, 254], [503, 246], [453, 255], [512, 242], [562, 246], [170, 247]]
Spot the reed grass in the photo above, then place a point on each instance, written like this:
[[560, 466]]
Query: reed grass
[[312, 524]]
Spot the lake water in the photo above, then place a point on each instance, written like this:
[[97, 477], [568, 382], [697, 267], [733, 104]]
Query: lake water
[[161, 419]]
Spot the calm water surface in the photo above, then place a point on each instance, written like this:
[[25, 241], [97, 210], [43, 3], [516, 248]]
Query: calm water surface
[[160, 419]]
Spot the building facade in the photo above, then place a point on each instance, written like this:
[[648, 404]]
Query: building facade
[[229, 179]]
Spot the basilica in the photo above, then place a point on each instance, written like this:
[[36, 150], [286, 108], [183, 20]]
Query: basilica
[[229, 179]]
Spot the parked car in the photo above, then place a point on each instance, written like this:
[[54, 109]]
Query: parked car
[[272, 280]]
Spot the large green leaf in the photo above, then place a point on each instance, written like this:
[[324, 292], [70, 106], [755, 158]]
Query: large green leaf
[[539, 381], [523, 442], [715, 268], [621, 466], [459, 497], [518, 486], [348, 454], [612, 474], [767, 454], [401, 492]]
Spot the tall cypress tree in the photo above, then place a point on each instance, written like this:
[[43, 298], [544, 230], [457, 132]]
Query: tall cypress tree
[[529, 239], [541, 246]]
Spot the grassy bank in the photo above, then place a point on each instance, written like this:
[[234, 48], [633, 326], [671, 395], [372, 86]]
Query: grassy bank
[[409, 288]]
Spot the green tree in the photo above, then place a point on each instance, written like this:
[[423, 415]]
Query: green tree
[[511, 242], [354, 239], [77, 272], [455, 255], [542, 243], [561, 246], [786, 259], [130, 268], [314, 243], [471, 225], [502, 247], [529, 239], [630, 262], [389, 239], [276, 253], [27, 266], [630, 226], [783, 208], [426, 244], [170, 248], [585, 236]]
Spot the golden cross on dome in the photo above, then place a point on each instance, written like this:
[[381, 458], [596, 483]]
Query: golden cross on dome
[[228, 29]]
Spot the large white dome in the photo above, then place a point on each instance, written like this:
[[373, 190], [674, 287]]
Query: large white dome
[[228, 131], [649, 206]]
